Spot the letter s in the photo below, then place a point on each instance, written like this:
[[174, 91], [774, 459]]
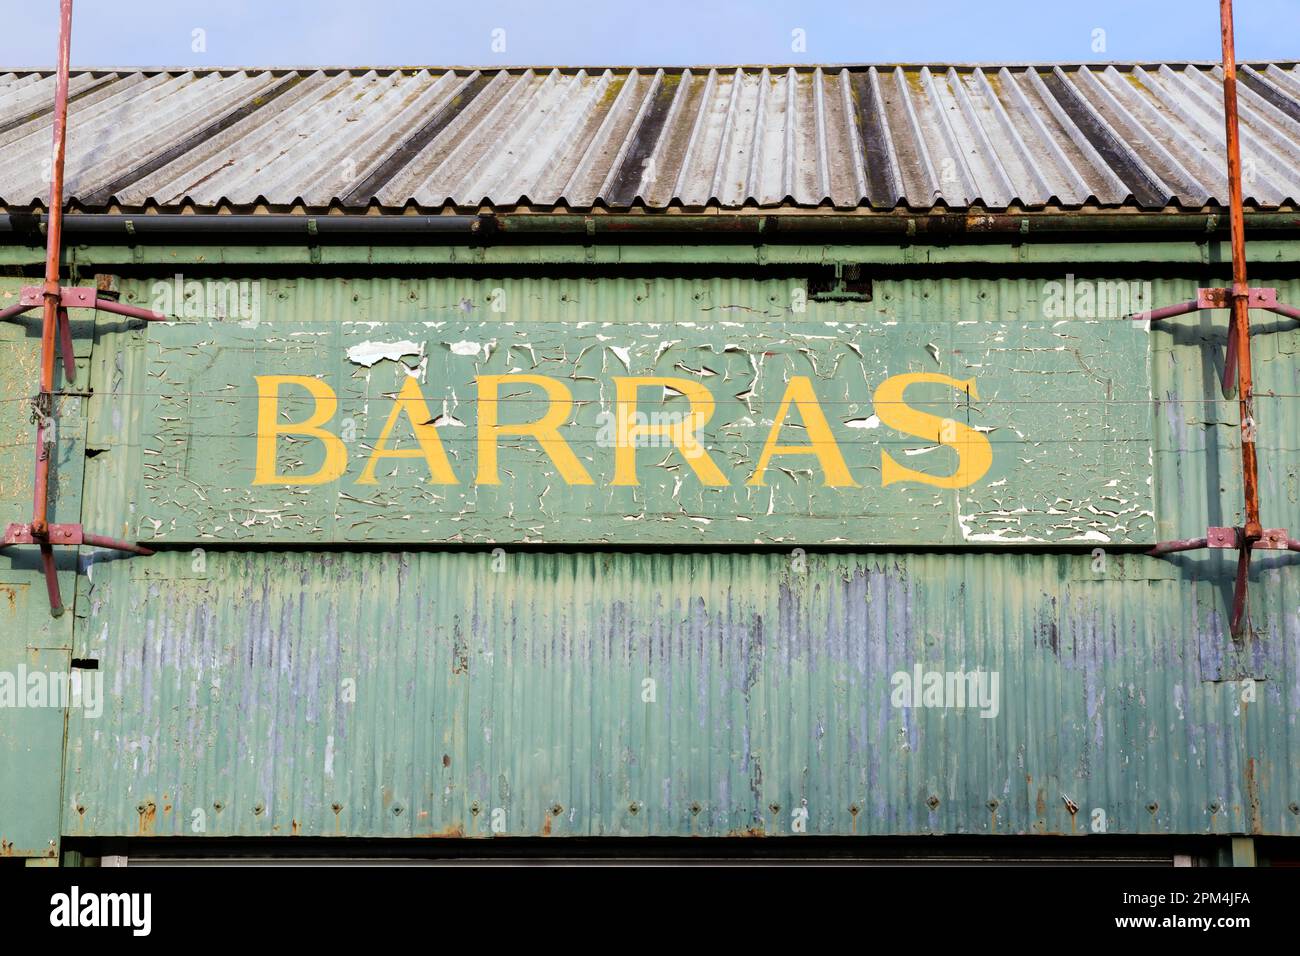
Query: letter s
[[974, 452]]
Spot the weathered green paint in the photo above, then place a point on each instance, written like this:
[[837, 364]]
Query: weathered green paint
[[1056, 404], [35, 649], [417, 694], [520, 689], [33, 654]]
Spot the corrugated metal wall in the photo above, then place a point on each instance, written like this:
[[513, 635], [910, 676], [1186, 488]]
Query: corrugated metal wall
[[523, 690], [514, 683], [31, 642]]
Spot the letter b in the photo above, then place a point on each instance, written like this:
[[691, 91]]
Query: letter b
[[269, 429]]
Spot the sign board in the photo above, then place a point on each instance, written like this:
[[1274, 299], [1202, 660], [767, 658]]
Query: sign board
[[683, 432]]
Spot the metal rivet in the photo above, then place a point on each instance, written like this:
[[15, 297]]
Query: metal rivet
[[473, 808], [1215, 806], [633, 807], [397, 810], [556, 810], [933, 802], [853, 809], [1294, 807], [696, 808], [774, 807], [336, 807], [218, 805], [258, 808], [1152, 807], [992, 804]]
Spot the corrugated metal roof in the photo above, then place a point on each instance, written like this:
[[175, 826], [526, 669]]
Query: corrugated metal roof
[[841, 137]]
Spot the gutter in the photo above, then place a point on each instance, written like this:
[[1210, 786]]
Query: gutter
[[494, 228]]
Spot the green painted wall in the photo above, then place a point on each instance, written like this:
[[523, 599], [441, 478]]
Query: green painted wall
[[414, 694], [35, 649], [386, 692]]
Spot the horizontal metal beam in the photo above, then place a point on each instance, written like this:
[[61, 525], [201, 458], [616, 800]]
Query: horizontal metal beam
[[1229, 539], [69, 535], [487, 228]]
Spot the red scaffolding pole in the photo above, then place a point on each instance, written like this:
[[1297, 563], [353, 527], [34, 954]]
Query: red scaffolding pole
[[55, 300], [1237, 370]]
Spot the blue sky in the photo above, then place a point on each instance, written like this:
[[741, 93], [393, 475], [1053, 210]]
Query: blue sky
[[659, 32]]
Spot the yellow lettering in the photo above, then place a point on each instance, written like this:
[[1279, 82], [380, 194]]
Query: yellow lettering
[[682, 433], [269, 429], [546, 429], [410, 401], [974, 452], [822, 441]]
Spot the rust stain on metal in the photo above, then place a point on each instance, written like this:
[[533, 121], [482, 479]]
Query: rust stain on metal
[[1070, 804], [453, 832], [148, 817], [1252, 794]]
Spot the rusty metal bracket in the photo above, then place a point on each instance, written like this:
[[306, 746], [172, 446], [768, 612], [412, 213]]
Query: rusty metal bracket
[[1212, 298], [78, 297], [1257, 298], [73, 297], [1260, 297], [1239, 540], [1229, 539], [70, 535]]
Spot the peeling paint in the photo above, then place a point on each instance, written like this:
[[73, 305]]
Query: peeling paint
[[368, 353], [1088, 433]]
